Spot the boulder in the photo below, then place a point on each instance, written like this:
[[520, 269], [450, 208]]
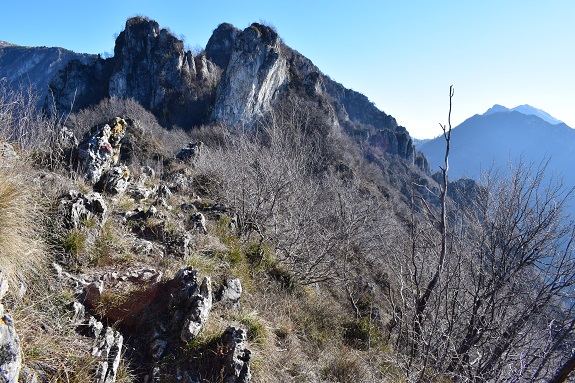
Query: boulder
[[101, 150], [237, 367], [199, 222], [79, 207], [190, 304], [230, 293], [114, 181], [191, 152]]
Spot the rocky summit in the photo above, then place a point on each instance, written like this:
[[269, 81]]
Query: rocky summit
[[239, 78]]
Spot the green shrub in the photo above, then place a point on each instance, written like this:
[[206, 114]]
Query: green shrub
[[255, 327], [362, 334]]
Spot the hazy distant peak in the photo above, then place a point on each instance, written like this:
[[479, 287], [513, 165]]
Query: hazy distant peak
[[496, 109], [529, 110], [524, 109]]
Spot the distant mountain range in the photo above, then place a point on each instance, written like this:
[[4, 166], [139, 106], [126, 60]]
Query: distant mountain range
[[501, 135], [35, 66], [525, 109]]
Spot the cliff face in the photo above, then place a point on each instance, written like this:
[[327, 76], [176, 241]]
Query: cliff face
[[241, 76], [149, 65], [255, 75], [260, 71]]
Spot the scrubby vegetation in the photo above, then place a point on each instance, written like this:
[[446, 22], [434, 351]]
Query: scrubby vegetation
[[333, 254]]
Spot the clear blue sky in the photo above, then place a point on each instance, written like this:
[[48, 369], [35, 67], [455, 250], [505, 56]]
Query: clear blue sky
[[402, 55]]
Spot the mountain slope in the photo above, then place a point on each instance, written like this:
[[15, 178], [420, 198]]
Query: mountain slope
[[35, 66], [500, 136], [252, 72]]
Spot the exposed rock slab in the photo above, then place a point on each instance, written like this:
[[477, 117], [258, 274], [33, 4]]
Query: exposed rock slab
[[254, 78]]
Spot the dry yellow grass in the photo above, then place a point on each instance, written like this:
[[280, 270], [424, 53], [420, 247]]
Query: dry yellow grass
[[21, 253]]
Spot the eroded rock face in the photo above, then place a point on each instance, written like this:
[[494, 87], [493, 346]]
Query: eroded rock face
[[221, 43], [190, 304], [255, 76], [237, 366], [149, 65], [79, 207], [114, 181], [101, 151], [108, 346]]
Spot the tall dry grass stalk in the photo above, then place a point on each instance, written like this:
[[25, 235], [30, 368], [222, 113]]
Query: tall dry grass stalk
[[21, 252]]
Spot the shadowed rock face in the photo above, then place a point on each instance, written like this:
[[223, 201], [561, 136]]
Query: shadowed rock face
[[220, 45], [149, 65]]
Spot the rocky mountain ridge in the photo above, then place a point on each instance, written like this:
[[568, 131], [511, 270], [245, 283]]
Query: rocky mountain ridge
[[289, 238], [239, 78], [524, 109], [35, 66]]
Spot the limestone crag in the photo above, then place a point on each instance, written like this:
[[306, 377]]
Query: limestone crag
[[237, 80], [190, 304], [100, 151], [149, 65], [78, 208], [254, 78], [221, 43], [237, 365]]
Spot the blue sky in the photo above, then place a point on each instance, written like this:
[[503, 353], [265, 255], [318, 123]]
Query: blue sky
[[403, 55]]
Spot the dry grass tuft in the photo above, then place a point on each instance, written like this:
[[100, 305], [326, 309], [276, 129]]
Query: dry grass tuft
[[21, 252]]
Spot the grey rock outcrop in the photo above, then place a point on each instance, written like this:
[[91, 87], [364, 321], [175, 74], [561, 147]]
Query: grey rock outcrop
[[114, 181], [79, 207], [10, 349], [221, 43], [149, 65], [190, 304], [230, 293], [237, 368], [191, 152], [108, 346], [254, 78], [101, 150], [199, 222]]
